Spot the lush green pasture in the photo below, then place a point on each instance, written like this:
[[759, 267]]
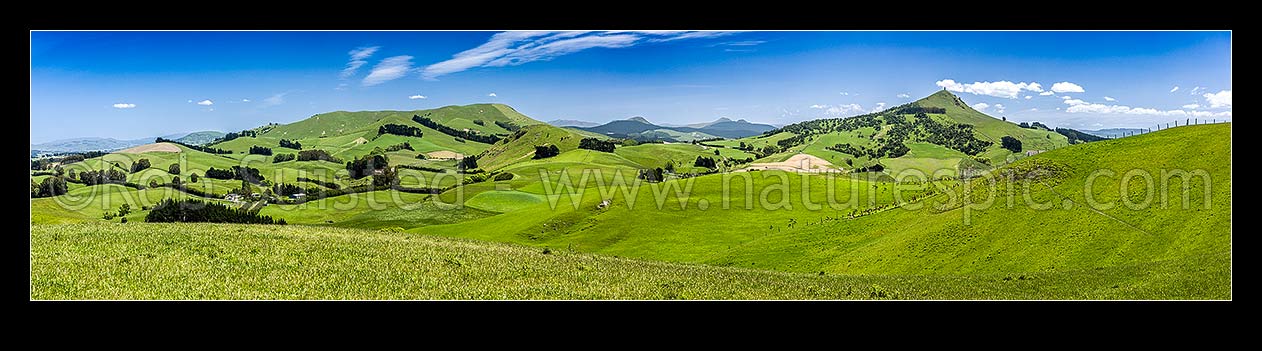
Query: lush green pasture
[[229, 261]]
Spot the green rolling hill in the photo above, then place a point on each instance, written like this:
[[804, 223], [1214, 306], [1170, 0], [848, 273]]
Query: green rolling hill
[[951, 136], [1066, 251]]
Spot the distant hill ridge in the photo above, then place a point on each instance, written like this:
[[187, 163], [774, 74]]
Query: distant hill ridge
[[639, 127]]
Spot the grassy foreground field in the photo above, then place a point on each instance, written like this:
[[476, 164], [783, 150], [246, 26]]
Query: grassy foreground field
[[227, 261]]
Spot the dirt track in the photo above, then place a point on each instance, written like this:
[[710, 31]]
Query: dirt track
[[798, 163], [444, 155], [157, 147]]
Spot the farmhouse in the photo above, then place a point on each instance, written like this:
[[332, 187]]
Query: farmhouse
[[232, 197], [1033, 152]]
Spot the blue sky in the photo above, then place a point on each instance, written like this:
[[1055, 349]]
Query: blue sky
[[129, 85]]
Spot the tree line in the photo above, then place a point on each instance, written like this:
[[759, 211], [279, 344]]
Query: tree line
[[546, 151], [291, 144], [401, 146], [596, 144], [259, 150], [317, 155], [248, 174], [509, 126], [205, 149], [193, 210], [463, 134], [399, 129], [1076, 137]]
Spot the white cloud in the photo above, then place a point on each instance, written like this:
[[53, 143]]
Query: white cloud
[[274, 100], [245, 100], [903, 96], [840, 110], [1033, 109], [415, 97], [1192, 106], [999, 108], [1196, 90], [206, 102], [1174, 89], [492, 95], [1079, 106], [1046, 93], [520, 47], [124, 105], [359, 57], [1220, 99], [1003, 89], [1027, 97], [844, 93], [981, 106], [879, 107], [1107, 98], [744, 43], [190, 101], [1065, 98], [388, 69], [1067, 87]]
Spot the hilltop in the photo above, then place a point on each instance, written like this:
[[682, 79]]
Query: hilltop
[[937, 133]]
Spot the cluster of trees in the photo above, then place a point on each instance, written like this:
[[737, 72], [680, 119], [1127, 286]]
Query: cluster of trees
[[317, 155], [192, 210], [913, 108], [1010, 143], [291, 144], [283, 157], [51, 186], [396, 147], [140, 165], [891, 149], [102, 177], [705, 162], [546, 151], [479, 122], [792, 141], [174, 169], [955, 136], [652, 175], [234, 135], [248, 174], [460, 134], [503, 176], [389, 176], [399, 129], [596, 144], [873, 168], [282, 189], [467, 163], [1035, 125], [366, 165], [259, 150], [508, 126], [194, 147], [1076, 137], [330, 185]]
